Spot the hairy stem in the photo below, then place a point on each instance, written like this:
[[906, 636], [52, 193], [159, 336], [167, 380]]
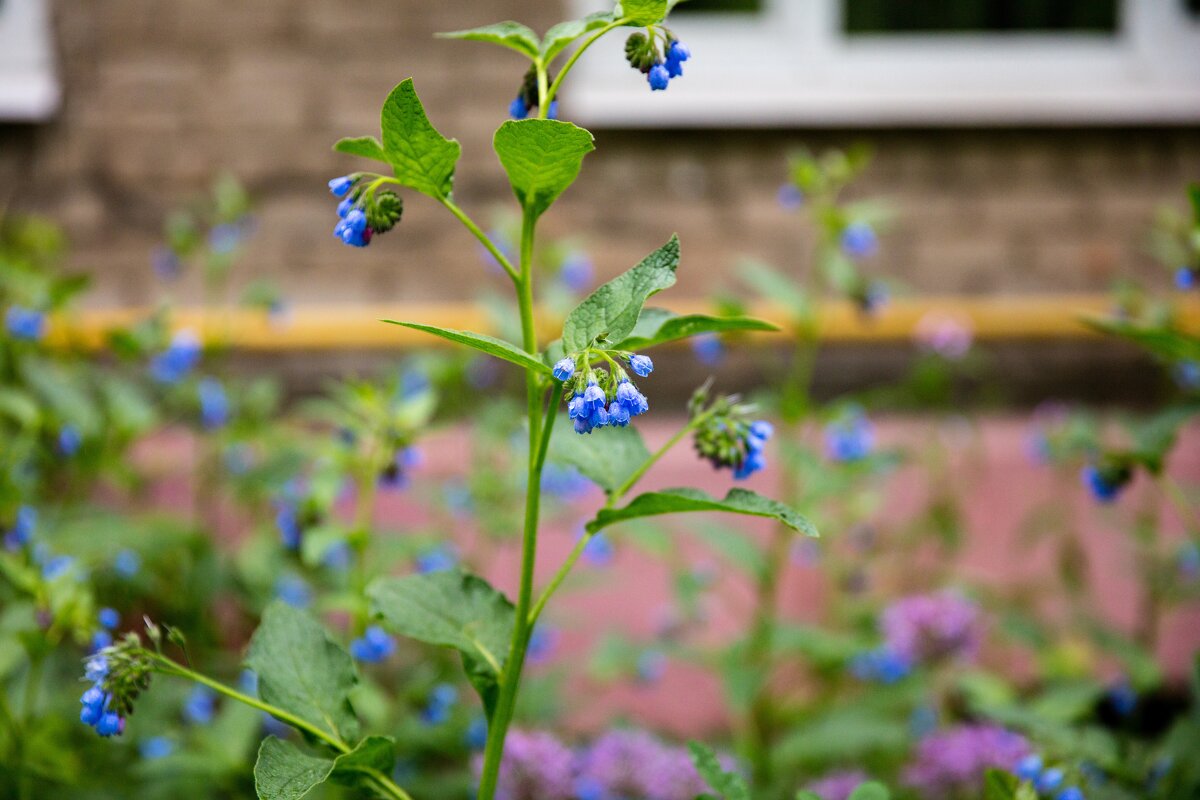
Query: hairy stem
[[613, 499], [539, 437], [483, 238], [579, 51]]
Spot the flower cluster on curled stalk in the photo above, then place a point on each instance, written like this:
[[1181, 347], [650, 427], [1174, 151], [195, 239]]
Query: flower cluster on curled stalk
[[657, 54], [603, 395], [364, 210], [118, 674], [727, 435], [527, 98]]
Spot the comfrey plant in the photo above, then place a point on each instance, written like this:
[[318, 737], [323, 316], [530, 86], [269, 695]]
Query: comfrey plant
[[305, 678]]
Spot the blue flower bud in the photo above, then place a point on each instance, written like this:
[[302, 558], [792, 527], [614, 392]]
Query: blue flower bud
[[1187, 278], [790, 197], [25, 323], [552, 110], [344, 207], [1049, 780], [353, 229], [156, 747], [1070, 793], [1029, 767], [593, 397], [1104, 485], [181, 356], [69, 440], [641, 365], [678, 51], [708, 349], [340, 186], [109, 617], [634, 401], [22, 529], [438, 559], [214, 404], [374, 646], [658, 77], [477, 730], [564, 368], [110, 724], [127, 563], [200, 706], [517, 108], [618, 415], [859, 239]]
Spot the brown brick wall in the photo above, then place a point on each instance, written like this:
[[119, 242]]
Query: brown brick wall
[[161, 96]]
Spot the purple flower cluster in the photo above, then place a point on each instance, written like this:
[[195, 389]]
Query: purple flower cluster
[[536, 766], [837, 785], [620, 764], [953, 762], [931, 627]]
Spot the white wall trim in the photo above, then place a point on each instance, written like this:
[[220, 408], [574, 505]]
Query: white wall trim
[[29, 88], [792, 65]]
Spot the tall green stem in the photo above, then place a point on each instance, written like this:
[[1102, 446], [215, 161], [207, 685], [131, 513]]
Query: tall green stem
[[539, 438]]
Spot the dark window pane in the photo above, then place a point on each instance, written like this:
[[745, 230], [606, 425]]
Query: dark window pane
[[719, 7], [985, 16]]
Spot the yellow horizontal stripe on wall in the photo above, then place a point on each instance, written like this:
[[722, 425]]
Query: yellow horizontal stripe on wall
[[344, 327]]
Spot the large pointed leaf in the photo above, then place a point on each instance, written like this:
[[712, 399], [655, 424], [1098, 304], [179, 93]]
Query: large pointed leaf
[[644, 12], [421, 158], [657, 326], [612, 310], [373, 756], [285, 772], [678, 501], [485, 344], [303, 671], [512, 35], [542, 157], [607, 460], [563, 34], [452, 609]]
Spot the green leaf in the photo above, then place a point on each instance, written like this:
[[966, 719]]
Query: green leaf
[[486, 344], [657, 326], [563, 34], [512, 35], [730, 785], [1170, 344], [843, 735], [542, 158], [612, 310], [421, 158], [734, 546], [870, 790], [285, 772], [374, 755], [303, 671], [364, 146], [644, 12], [678, 501], [607, 460], [999, 785], [451, 609]]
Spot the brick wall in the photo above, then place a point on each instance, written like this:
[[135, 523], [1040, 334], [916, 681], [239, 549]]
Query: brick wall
[[161, 96]]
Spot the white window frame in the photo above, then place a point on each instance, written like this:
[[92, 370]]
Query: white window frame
[[792, 65], [29, 89]]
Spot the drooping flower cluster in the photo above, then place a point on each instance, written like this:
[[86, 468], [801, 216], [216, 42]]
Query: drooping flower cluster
[[117, 674], [601, 397], [658, 55], [1106, 479], [952, 763], [932, 627], [618, 765], [850, 436], [837, 785], [364, 210], [527, 98], [727, 436]]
